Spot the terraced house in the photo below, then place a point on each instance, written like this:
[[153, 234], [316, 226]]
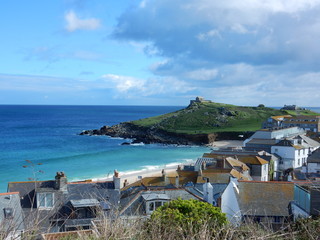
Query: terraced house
[[308, 123]]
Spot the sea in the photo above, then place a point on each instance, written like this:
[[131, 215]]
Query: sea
[[36, 141]]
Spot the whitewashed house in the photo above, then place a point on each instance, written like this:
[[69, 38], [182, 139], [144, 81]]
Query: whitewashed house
[[294, 152]]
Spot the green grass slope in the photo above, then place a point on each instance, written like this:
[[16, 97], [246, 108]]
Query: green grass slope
[[214, 117]]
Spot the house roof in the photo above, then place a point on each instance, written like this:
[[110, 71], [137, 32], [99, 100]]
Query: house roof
[[214, 177], [314, 157], [76, 194], [280, 118], [155, 196], [217, 190], [309, 141], [299, 117], [261, 141], [154, 181], [11, 214], [84, 203], [265, 198], [288, 143], [254, 160], [237, 164], [135, 205]]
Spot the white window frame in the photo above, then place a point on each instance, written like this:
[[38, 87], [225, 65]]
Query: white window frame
[[44, 196], [153, 204]]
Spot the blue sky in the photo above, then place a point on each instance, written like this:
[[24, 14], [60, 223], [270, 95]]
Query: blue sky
[[160, 52]]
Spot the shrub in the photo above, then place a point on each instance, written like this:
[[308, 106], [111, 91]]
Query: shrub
[[188, 216]]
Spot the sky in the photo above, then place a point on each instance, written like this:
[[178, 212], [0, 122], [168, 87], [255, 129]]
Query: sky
[[160, 52]]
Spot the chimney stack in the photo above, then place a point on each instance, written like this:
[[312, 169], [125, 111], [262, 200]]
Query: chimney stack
[[61, 182], [116, 180], [125, 183], [165, 177], [177, 182], [208, 192]]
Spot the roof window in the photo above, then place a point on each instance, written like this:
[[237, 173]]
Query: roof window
[[8, 213]]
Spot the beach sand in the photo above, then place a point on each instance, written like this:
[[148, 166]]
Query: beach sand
[[134, 176], [224, 144]]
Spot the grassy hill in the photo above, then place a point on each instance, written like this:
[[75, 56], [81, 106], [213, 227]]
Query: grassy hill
[[208, 117]]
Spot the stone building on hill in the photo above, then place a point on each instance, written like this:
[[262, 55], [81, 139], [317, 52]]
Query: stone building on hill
[[199, 100]]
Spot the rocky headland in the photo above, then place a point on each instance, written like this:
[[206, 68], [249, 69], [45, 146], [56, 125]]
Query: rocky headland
[[202, 122], [150, 135]]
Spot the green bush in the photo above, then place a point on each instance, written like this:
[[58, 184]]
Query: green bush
[[187, 216]]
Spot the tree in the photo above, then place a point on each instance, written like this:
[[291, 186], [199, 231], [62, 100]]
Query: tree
[[188, 216], [261, 106]]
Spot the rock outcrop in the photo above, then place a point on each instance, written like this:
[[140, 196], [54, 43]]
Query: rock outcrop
[[156, 135]]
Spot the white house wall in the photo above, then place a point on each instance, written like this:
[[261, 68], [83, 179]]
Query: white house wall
[[229, 203], [291, 157]]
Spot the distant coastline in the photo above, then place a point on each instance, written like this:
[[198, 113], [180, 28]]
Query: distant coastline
[[202, 122]]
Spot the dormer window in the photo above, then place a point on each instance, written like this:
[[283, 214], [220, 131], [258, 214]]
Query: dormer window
[[8, 213], [153, 205], [154, 200], [45, 200]]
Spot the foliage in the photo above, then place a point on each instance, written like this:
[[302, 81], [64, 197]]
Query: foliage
[[306, 228], [188, 215], [215, 117]]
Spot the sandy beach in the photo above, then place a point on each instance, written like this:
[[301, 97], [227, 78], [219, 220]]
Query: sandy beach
[[225, 144], [134, 176]]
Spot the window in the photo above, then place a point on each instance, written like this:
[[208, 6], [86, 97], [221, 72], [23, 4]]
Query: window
[[151, 206], [277, 219], [158, 204], [8, 213], [45, 200]]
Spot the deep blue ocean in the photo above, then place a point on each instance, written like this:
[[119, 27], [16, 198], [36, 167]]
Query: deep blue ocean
[[47, 136]]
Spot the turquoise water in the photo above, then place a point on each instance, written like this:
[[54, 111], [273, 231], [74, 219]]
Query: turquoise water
[[48, 135]]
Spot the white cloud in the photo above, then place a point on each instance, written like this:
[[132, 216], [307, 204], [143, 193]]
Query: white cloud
[[125, 83], [73, 22], [128, 86], [202, 74]]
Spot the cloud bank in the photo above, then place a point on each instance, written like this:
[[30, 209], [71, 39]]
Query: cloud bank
[[246, 52]]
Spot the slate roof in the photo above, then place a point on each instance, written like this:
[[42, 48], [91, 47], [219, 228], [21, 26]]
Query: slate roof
[[215, 177], [11, 214], [314, 157], [217, 189], [265, 198], [136, 205], [100, 191], [262, 141], [309, 141]]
